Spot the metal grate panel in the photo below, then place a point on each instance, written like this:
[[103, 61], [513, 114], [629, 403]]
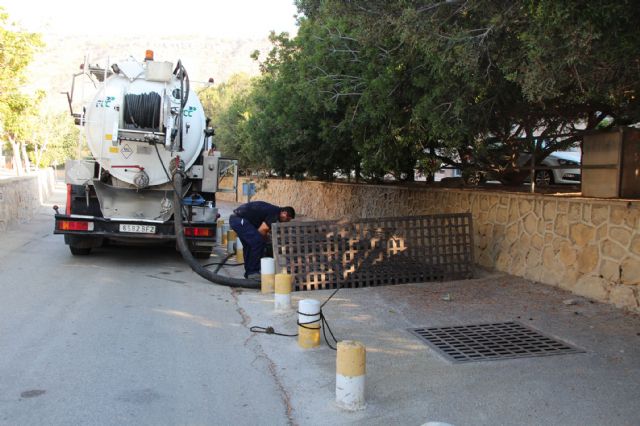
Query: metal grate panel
[[373, 252], [488, 342]]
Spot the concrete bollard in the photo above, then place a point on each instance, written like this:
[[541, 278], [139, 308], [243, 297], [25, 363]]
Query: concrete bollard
[[350, 373], [219, 225], [239, 251], [231, 241], [308, 323], [267, 274], [283, 292], [225, 230]]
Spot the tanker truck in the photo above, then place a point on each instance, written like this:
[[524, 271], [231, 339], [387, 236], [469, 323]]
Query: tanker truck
[[144, 125]]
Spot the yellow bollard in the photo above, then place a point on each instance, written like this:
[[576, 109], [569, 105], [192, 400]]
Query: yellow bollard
[[225, 231], [231, 241], [219, 225], [351, 360], [308, 323], [239, 251], [282, 297], [267, 274]]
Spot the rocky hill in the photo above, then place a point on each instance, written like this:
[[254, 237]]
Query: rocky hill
[[203, 57]]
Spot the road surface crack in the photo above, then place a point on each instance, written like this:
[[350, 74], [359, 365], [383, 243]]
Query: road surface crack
[[260, 353]]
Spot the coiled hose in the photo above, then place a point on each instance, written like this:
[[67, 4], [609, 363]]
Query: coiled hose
[[183, 247], [143, 110]]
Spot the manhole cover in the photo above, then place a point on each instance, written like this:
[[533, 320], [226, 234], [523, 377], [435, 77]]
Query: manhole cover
[[487, 342]]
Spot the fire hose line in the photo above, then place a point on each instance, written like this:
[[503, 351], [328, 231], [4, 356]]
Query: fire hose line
[[216, 278], [186, 253]]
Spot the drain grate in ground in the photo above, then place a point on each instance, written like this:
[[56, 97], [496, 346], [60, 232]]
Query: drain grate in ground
[[487, 342]]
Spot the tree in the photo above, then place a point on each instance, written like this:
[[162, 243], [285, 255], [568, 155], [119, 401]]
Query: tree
[[55, 138], [524, 73], [227, 106], [393, 86], [16, 52]]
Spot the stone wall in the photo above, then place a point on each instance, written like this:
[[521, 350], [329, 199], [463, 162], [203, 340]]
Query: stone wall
[[20, 197], [588, 246]]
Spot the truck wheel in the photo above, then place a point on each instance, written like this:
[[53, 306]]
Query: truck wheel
[[80, 251], [201, 254], [81, 245]]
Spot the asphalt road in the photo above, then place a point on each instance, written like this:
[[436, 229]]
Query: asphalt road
[[123, 336]]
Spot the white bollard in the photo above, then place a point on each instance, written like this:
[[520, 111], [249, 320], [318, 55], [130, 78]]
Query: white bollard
[[308, 323], [267, 274], [282, 295], [351, 362]]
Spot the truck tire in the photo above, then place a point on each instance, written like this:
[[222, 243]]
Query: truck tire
[[201, 254], [81, 245], [80, 251]]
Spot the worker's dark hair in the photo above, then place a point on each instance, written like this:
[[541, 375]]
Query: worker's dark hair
[[290, 211]]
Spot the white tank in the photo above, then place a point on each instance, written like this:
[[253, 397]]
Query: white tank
[[120, 142]]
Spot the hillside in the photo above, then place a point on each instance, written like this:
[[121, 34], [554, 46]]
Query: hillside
[[204, 57]]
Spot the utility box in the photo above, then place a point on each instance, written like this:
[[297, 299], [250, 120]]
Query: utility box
[[611, 163], [159, 71]]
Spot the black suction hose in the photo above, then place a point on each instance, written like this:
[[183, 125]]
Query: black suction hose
[[186, 253]]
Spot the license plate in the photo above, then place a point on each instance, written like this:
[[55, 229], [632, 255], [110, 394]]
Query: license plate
[[138, 229]]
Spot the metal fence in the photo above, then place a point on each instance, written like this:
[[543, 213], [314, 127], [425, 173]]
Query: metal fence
[[373, 252]]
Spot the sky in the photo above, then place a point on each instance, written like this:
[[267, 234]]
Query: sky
[[216, 18]]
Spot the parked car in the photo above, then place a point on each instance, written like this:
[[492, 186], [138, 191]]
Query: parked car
[[560, 176], [570, 175]]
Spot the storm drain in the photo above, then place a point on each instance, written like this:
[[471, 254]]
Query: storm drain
[[488, 342]]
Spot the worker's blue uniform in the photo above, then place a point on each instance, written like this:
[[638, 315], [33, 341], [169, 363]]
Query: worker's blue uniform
[[246, 220]]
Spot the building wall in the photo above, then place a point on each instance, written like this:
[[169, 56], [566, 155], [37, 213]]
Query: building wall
[[588, 246]]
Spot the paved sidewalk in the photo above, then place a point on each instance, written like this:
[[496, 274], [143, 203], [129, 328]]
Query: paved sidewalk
[[409, 383]]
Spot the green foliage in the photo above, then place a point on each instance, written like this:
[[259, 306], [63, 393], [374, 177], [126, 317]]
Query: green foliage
[[16, 52], [390, 87], [226, 106], [56, 138]]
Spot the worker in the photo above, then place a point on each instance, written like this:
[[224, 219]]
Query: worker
[[252, 222]]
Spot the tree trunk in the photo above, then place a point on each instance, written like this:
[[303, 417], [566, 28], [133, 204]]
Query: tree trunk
[[430, 178], [17, 161], [38, 155], [27, 163]]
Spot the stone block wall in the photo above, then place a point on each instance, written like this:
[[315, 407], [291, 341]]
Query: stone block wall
[[20, 197], [588, 246]]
